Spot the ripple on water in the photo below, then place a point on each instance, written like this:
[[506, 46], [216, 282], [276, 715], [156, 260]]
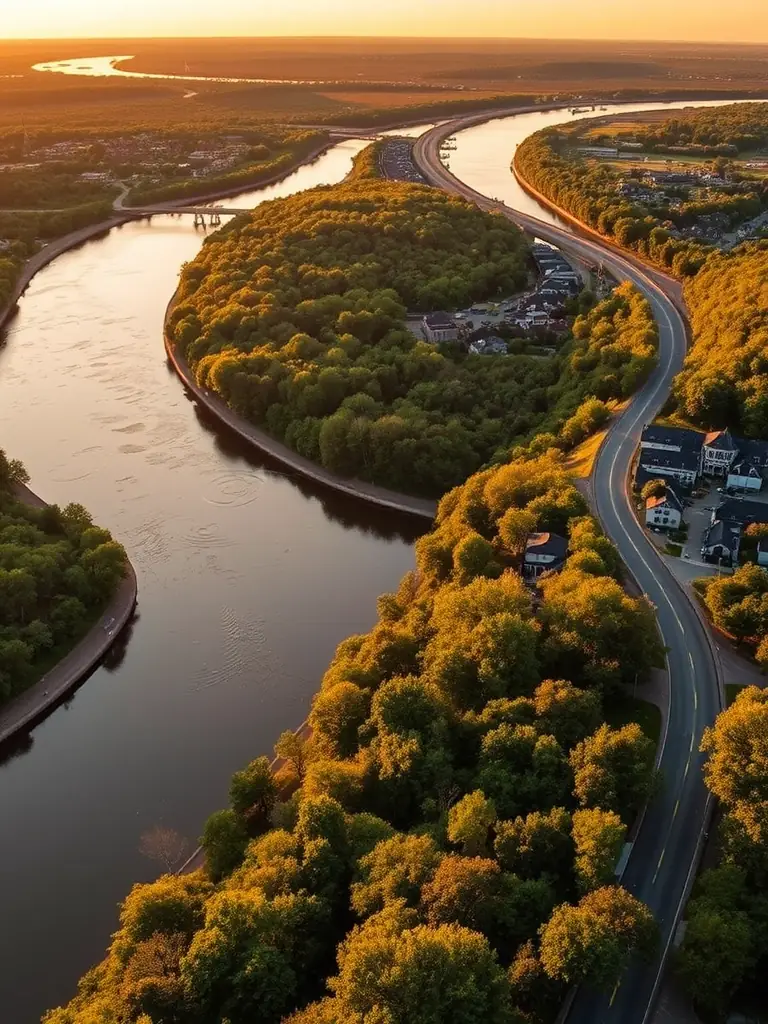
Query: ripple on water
[[206, 537], [131, 428], [234, 489]]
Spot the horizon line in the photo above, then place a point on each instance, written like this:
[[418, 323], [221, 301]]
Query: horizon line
[[207, 37]]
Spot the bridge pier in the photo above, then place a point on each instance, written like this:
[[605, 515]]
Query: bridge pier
[[215, 219]]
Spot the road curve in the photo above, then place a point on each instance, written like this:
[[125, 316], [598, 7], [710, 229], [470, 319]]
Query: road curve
[[667, 847]]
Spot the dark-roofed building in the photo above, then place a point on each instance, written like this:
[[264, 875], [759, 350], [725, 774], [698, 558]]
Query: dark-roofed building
[[664, 510], [680, 466], [742, 511], [491, 345], [544, 552], [670, 453], [721, 542], [719, 451], [744, 476], [660, 437], [762, 551], [439, 327]]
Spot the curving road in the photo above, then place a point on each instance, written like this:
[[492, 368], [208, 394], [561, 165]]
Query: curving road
[[668, 843]]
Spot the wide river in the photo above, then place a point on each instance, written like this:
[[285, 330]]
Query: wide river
[[248, 578]]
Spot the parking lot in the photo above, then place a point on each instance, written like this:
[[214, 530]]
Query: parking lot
[[397, 163]]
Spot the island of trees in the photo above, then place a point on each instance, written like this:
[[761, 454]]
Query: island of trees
[[296, 316], [57, 573], [443, 846]]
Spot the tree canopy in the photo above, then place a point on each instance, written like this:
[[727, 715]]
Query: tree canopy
[[57, 573], [296, 316], [446, 828]]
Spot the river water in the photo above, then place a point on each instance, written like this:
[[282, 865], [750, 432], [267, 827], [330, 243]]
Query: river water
[[248, 579]]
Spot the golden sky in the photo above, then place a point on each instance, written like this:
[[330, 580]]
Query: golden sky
[[713, 20]]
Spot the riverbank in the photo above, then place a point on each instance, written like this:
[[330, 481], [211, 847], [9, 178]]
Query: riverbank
[[81, 660], [49, 253], [423, 507], [123, 215], [234, 190]]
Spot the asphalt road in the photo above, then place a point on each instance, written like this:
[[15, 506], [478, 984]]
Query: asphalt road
[[662, 863]]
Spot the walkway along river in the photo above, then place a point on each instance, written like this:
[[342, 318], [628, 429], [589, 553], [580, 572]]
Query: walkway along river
[[248, 579]]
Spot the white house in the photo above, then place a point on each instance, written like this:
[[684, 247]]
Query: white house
[[439, 327], [664, 510], [744, 476], [544, 552], [718, 453]]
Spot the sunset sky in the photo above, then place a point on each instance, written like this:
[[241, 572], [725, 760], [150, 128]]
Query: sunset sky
[[713, 20]]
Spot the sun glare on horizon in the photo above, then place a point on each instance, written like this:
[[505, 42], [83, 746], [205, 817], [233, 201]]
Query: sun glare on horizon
[[657, 19]]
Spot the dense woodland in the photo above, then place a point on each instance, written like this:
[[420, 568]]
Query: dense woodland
[[57, 573], [295, 315], [449, 853], [724, 381], [724, 957], [737, 127]]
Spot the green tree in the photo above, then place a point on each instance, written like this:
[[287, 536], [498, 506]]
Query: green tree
[[470, 822], [592, 942], [224, 840], [598, 837], [253, 791]]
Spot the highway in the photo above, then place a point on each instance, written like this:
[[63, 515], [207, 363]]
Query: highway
[[662, 862]]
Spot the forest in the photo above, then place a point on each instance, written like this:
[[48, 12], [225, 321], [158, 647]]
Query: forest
[[724, 956], [442, 846], [295, 315], [57, 573], [724, 380], [736, 127]]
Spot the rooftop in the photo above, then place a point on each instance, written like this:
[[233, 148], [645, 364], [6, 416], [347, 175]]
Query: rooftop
[[677, 437], [547, 544], [439, 320]]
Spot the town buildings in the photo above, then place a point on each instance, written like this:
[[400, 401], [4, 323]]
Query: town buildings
[[544, 552], [664, 510], [684, 455]]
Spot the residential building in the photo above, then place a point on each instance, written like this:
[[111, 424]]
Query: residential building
[[719, 452], [762, 551], [744, 476], [544, 552], [721, 542], [490, 346], [664, 510], [439, 327], [742, 511]]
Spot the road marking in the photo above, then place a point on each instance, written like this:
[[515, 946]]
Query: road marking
[[658, 866], [677, 808], [615, 990]]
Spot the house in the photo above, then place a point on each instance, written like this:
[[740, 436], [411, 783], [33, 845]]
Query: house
[[490, 346], [744, 476], [742, 511], [543, 553], [719, 452], [439, 327], [682, 466], [664, 510], [721, 542], [762, 551]]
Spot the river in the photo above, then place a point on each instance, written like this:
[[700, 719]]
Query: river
[[248, 579]]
